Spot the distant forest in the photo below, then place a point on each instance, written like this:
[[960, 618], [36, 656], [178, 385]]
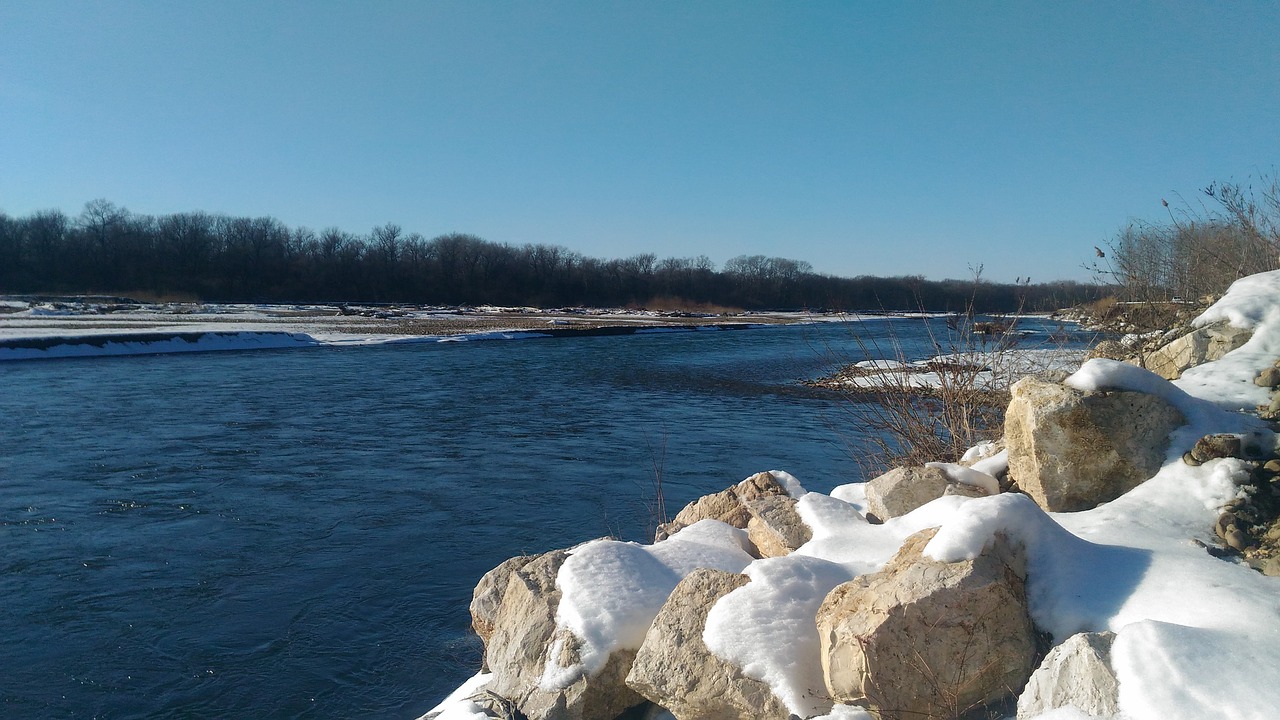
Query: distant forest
[[197, 255]]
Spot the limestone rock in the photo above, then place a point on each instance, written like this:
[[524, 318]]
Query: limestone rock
[[1211, 447], [727, 506], [675, 670], [1185, 352], [1111, 350], [923, 638], [1223, 338], [902, 490], [964, 490], [723, 506], [488, 594], [1268, 378], [1076, 673], [1197, 347], [759, 485], [1071, 450], [775, 528], [524, 628], [1271, 411], [1268, 566]]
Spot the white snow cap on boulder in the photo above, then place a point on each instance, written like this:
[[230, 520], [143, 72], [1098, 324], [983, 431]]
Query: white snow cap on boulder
[[613, 590]]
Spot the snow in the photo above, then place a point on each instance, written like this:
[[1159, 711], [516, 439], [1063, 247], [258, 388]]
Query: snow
[[1246, 304], [612, 591], [124, 344], [978, 452], [1197, 636], [766, 627], [458, 706], [967, 476], [846, 712], [988, 369], [993, 465]]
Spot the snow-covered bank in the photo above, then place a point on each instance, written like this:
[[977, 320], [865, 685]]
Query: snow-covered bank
[[147, 344], [32, 330], [1192, 630]]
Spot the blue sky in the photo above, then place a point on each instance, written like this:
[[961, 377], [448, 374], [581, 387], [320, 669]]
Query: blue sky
[[866, 138]]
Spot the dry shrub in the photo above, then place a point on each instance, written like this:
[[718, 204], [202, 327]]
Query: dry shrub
[[1102, 310], [912, 424], [667, 303]]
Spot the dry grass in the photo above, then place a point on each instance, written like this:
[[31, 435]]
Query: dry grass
[[912, 425]]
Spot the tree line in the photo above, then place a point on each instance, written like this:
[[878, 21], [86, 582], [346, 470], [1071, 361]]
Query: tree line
[[108, 250]]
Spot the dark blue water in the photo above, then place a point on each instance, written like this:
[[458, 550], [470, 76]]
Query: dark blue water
[[297, 533]]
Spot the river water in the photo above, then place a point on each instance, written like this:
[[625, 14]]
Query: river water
[[296, 533]]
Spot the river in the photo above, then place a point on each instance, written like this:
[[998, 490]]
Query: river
[[295, 533]]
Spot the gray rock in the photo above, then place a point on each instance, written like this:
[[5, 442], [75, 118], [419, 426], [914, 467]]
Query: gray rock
[[902, 490], [1076, 673], [1070, 450], [524, 629], [675, 670], [1223, 338], [775, 528], [923, 638]]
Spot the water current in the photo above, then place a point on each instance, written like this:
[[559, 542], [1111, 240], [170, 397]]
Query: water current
[[296, 533]]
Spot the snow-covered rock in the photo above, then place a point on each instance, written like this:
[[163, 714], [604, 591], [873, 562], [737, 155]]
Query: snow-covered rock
[[924, 638], [524, 628], [674, 669], [1075, 674], [1072, 450]]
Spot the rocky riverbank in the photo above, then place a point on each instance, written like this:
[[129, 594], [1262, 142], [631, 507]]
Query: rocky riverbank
[[1111, 556]]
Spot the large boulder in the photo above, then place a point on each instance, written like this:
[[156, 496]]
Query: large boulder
[[524, 631], [923, 638], [1197, 347], [1072, 450], [675, 670], [904, 489], [1076, 673]]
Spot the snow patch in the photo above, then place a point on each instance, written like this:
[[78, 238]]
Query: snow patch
[[967, 476], [612, 591]]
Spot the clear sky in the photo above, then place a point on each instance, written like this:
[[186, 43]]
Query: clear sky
[[878, 138]]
